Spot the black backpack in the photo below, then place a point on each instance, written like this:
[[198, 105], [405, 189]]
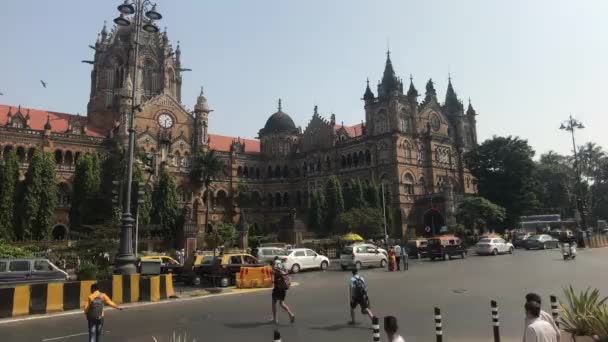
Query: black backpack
[[95, 311], [359, 288], [281, 280]]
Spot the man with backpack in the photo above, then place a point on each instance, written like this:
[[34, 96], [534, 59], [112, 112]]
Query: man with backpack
[[93, 310], [358, 296], [281, 285]]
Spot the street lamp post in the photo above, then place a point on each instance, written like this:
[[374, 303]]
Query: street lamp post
[[139, 8], [572, 125]]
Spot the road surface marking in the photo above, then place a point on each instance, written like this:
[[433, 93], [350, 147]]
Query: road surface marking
[[138, 305], [68, 336]]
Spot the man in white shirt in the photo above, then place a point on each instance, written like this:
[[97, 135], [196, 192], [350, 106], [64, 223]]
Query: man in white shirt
[[538, 330], [397, 249], [533, 297], [391, 328]]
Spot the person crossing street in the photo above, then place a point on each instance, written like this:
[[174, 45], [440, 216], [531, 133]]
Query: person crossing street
[[93, 310], [358, 297], [398, 256]]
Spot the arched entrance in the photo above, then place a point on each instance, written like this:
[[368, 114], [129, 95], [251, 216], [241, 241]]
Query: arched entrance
[[434, 220], [59, 232]]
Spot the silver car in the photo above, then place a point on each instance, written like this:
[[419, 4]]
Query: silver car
[[493, 246], [363, 255], [30, 270], [303, 258], [266, 255]]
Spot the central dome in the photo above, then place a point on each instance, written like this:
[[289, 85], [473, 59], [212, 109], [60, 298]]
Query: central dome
[[279, 122]]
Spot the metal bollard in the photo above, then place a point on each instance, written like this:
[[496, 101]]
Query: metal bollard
[[375, 329], [554, 311], [495, 322], [277, 336], [438, 326]]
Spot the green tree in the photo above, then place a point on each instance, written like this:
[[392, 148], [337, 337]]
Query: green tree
[[165, 210], [334, 202], [358, 194], [555, 183], [112, 169], [85, 193], [38, 198], [9, 181], [315, 213], [504, 170], [143, 210], [367, 222], [372, 195], [476, 213]]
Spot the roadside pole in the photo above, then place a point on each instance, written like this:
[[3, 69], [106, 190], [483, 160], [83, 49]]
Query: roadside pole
[[384, 217]]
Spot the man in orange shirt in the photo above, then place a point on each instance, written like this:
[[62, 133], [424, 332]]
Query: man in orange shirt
[[93, 310]]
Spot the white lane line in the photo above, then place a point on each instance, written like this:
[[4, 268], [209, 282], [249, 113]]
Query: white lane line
[[137, 305], [69, 336]]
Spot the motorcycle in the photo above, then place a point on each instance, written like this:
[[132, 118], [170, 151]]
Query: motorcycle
[[569, 251]]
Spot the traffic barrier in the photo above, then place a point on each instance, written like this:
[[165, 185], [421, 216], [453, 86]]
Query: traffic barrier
[[375, 329], [277, 336], [438, 325], [252, 277], [44, 298], [554, 311], [495, 321]]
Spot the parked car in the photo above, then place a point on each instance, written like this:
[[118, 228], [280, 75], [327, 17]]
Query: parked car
[[266, 255], [30, 270], [495, 246], [223, 269], [445, 247], [541, 241], [302, 258], [519, 238], [417, 248], [361, 255], [167, 264]]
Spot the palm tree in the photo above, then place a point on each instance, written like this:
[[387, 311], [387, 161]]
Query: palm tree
[[205, 166], [590, 156]]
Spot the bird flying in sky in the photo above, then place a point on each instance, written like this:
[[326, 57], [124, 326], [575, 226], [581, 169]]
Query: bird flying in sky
[[43, 83]]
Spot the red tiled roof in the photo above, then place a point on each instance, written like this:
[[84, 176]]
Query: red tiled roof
[[222, 143], [353, 131], [38, 118]]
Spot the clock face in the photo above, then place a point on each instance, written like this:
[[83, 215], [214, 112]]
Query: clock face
[[435, 123], [165, 120]]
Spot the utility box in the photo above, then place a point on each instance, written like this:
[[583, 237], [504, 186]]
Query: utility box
[[149, 267]]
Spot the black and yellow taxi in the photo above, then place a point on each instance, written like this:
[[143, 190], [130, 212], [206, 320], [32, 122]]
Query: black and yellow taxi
[[167, 264], [223, 268]]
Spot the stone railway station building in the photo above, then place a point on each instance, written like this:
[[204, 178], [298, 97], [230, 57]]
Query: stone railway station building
[[413, 144]]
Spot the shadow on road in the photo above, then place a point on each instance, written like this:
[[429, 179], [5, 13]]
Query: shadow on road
[[337, 327], [247, 325]]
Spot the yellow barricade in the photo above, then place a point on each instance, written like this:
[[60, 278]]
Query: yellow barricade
[[253, 277]]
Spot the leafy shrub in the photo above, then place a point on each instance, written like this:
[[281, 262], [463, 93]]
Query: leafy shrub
[[9, 251], [87, 271], [579, 310]]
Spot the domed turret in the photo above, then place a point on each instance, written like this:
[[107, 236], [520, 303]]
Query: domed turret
[[201, 103], [279, 122]]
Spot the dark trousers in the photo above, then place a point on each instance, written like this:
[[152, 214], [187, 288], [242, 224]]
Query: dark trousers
[[95, 330], [398, 263]]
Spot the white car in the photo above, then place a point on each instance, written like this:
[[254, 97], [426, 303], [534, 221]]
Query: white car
[[493, 246], [303, 258]]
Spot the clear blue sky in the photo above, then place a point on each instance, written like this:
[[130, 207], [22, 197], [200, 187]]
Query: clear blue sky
[[525, 64]]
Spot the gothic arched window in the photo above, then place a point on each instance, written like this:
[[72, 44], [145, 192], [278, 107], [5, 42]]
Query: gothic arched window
[[381, 122], [408, 181], [407, 149]]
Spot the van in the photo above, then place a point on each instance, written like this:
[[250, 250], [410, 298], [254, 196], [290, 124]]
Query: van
[[362, 255], [30, 270]]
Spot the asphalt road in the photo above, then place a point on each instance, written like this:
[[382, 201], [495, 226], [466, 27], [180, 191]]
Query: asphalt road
[[462, 288]]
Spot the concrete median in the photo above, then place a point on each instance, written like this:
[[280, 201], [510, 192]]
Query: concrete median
[[45, 298]]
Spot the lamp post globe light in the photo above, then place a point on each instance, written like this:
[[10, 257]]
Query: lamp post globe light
[[132, 13], [571, 125]]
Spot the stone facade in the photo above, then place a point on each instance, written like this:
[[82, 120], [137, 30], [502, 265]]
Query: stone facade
[[414, 148]]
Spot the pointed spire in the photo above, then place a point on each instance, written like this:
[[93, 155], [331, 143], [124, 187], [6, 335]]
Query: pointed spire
[[431, 93], [412, 92], [470, 110], [452, 103], [27, 115], [280, 106], [390, 81], [47, 125], [104, 31], [201, 102], [178, 50], [368, 95], [165, 36], [316, 110]]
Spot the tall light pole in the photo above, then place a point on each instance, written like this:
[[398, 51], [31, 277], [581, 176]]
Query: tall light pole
[[139, 8], [572, 125]]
